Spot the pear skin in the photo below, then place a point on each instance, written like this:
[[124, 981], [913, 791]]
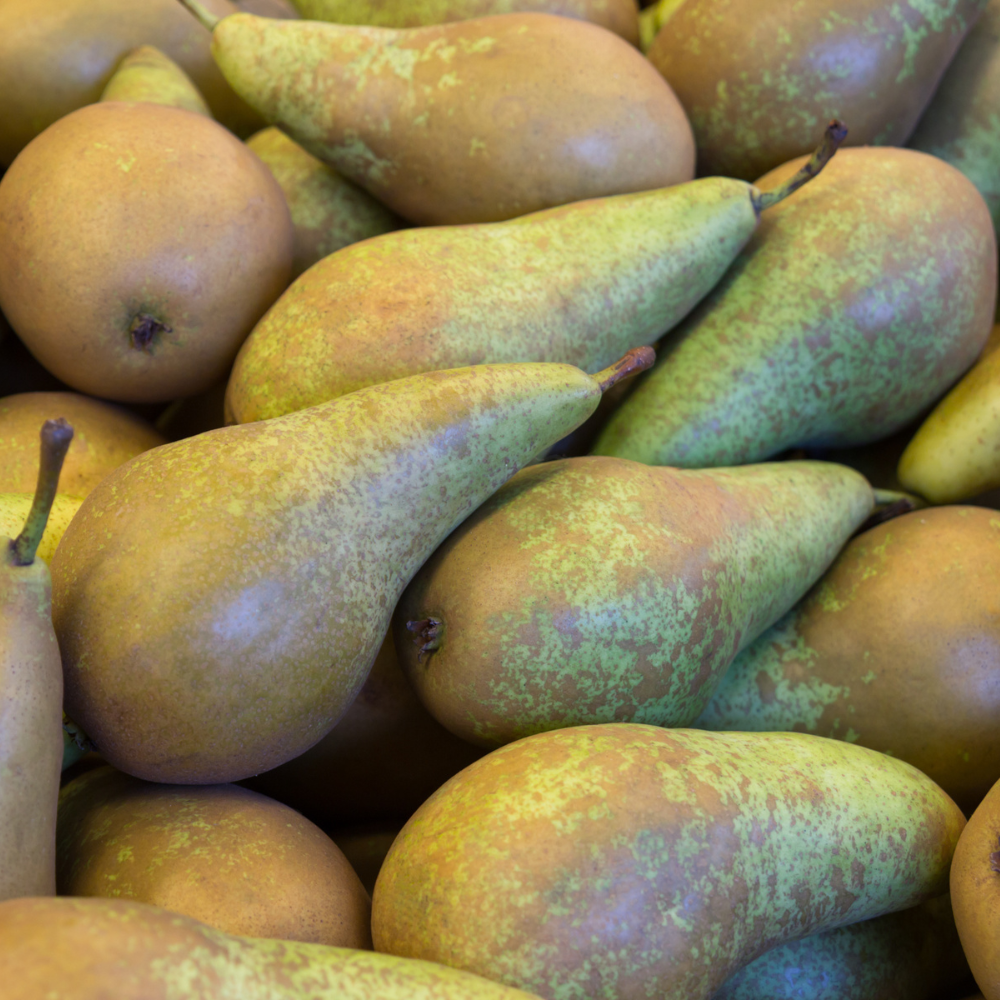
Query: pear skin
[[14, 508], [147, 74], [626, 861], [854, 305], [268, 8]]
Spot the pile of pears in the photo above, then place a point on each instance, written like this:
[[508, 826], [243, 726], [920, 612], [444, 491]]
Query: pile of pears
[[499, 499]]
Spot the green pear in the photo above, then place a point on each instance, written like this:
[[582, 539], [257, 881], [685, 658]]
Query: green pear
[[758, 78], [471, 121], [146, 74], [626, 861], [95, 949], [601, 590], [233, 611], [578, 284], [852, 308]]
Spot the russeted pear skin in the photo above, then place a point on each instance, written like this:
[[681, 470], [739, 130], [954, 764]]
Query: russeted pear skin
[[854, 305], [147, 74], [248, 574], [601, 590], [626, 861], [14, 508], [93, 949], [757, 80], [478, 120]]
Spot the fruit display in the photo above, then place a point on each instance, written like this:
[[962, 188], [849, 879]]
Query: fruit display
[[499, 500]]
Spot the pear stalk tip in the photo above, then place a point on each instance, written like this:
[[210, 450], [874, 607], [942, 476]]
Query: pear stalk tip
[[200, 11], [634, 361]]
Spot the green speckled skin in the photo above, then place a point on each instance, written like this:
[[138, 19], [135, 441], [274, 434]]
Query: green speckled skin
[[897, 648], [96, 949], [473, 121], [628, 862], [855, 304], [580, 284], [219, 601], [601, 590], [759, 81]]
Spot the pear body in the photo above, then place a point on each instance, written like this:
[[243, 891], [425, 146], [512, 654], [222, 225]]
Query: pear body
[[627, 861], [251, 571], [601, 590], [579, 284], [14, 509], [92, 949], [147, 74], [897, 648], [473, 121], [758, 81], [855, 304]]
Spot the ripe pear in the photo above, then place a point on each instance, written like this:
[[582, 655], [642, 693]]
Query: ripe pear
[[852, 308], [578, 284], [248, 574], [626, 861], [472, 121], [105, 436], [601, 590], [139, 274], [147, 74], [757, 78], [14, 508], [93, 949], [328, 211]]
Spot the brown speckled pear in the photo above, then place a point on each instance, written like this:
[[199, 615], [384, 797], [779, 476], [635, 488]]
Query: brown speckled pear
[[626, 861], [472, 121], [233, 859], [219, 601], [105, 436], [147, 74]]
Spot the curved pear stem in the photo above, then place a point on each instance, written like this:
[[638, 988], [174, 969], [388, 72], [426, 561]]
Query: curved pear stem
[[204, 15], [634, 361], [890, 504], [835, 134], [56, 436]]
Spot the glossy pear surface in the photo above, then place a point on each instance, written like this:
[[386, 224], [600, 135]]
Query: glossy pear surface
[[147, 74]]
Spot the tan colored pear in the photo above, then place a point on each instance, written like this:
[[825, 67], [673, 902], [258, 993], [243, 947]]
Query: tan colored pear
[[146, 74]]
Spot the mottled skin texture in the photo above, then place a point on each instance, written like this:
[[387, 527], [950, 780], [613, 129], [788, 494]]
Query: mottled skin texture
[[147, 74], [96, 949], [912, 955], [105, 436], [619, 16], [627, 861], [127, 210], [14, 509], [384, 758], [855, 304], [328, 211], [975, 893], [58, 55], [579, 284], [601, 590], [233, 859], [219, 601], [759, 81], [473, 121], [897, 648], [962, 123]]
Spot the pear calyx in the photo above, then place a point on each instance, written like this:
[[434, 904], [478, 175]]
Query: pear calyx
[[204, 15], [429, 635], [638, 359], [995, 860], [144, 329]]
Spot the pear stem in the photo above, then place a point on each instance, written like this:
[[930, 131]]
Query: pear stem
[[634, 361], [890, 504], [56, 436], [204, 15], [834, 135]]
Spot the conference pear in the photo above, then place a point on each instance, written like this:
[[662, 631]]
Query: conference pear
[[472, 121], [232, 613], [601, 590], [852, 308], [626, 861], [14, 508], [756, 78], [146, 74]]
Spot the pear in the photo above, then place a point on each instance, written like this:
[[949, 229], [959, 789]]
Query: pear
[[93, 949], [757, 78], [653, 18], [625, 861], [852, 308], [14, 508], [248, 574], [472, 121], [31, 692], [268, 8], [328, 211], [146, 74], [896, 649], [578, 284], [601, 590]]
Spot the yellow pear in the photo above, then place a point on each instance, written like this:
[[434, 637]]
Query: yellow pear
[[14, 509]]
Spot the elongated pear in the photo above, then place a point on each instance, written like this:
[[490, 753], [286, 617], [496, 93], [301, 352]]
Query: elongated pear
[[578, 284], [233, 611], [473, 121], [147, 74], [851, 309], [626, 861]]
